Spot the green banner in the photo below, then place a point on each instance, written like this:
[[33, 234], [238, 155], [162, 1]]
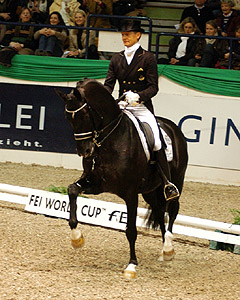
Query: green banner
[[57, 69]]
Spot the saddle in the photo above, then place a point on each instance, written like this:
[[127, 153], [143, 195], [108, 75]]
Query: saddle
[[147, 131], [147, 138], [165, 139]]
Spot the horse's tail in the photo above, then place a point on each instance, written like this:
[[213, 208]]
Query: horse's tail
[[151, 220], [156, 211]]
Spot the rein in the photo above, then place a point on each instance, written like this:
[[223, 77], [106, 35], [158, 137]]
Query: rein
[[96, 133]]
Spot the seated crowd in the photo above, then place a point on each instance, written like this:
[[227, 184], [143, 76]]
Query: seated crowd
[[201, 19], [206, 17]]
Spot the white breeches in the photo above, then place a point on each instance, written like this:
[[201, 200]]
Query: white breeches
[[144, 115]]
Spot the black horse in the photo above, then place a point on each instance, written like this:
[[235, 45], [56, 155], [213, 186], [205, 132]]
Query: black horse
[[106, 135]]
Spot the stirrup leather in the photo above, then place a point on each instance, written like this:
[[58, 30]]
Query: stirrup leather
[[177, 194]]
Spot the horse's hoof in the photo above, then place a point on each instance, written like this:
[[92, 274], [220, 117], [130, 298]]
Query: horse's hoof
[[77, 238], [78, 243], [130, 272], [168, 255]]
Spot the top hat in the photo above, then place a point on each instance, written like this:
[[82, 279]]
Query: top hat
[[127, 25]]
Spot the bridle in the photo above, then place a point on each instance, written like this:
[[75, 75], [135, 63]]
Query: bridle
[[75, 111], [94, 135]]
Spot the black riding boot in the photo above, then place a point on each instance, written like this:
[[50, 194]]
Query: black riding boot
[[170, 190]]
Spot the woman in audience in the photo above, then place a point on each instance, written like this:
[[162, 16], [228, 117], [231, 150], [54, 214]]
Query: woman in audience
[[224, 62], [208, 51], [228, 19], [77, 39], [66, 8], [51, 40], [181, 49]]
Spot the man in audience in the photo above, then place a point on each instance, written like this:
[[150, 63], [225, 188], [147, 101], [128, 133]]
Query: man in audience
[[8, 10], [100, 7], [199, 12]]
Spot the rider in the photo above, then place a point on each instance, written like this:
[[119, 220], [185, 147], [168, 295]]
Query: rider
[[136, 71]]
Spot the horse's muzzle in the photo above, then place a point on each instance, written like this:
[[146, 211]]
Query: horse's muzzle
[[86, 151]]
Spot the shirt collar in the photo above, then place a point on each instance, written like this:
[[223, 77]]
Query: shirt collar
[[199, 7], [132, 49]]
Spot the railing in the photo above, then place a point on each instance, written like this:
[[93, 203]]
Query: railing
[[231, 39], [88, 28]]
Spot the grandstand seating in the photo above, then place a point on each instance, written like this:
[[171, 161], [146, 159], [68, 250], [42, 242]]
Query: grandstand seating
[[164, 14]]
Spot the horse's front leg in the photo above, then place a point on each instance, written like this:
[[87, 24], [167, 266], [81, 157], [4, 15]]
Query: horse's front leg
[[131, 233], [76, 235]]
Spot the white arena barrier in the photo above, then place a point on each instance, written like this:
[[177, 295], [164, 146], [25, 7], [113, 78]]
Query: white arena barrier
[[113, 215]]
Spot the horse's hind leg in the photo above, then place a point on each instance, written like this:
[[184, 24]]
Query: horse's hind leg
[[76, 235], [168, 250], [157, 202]]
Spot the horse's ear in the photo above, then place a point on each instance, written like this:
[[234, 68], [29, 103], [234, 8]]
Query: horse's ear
[[61, 95]]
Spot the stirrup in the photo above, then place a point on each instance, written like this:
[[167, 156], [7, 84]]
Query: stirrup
[[173, 193]]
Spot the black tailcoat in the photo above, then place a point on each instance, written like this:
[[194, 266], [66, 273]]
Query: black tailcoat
[[141, 76]]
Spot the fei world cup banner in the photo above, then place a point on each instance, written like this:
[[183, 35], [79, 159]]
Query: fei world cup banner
[[32, 118]]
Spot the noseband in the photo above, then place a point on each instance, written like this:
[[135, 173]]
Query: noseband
[[95, 133]]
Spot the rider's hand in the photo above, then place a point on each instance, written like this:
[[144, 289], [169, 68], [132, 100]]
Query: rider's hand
[[132, 98], [122, 104]]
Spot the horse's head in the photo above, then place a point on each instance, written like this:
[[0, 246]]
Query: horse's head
[[77, 112], [92, 113]]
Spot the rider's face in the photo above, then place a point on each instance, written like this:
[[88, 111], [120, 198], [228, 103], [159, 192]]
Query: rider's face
[[130, 38]]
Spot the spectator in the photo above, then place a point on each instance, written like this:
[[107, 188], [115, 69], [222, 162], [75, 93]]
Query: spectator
[[215, 6], [224, 62], [199, 12], [66, 8], [21, 37], [51, 40], [18, 39], [228, 19], [181, 49], [83, 4], [8, 10], [236, 5], [121, 8], [100, 7], [39, 9], [208, 51], [77, 43]]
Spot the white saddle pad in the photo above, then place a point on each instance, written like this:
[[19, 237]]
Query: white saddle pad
[[168, 150]]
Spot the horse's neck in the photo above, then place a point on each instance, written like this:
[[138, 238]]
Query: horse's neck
[[99, 98], [109, 111]]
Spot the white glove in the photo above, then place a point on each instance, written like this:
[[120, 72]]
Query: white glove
[[131, 97], [122, 104]]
